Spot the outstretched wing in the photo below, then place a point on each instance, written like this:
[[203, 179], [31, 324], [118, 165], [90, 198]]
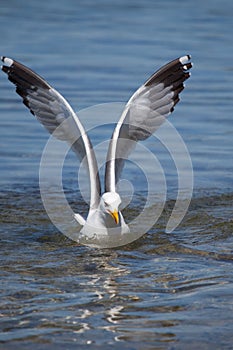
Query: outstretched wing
[[57, 116], [144, 113]]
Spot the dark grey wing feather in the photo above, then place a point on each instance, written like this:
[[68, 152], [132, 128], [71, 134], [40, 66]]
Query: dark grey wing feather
[[56, 115], [144, 113]]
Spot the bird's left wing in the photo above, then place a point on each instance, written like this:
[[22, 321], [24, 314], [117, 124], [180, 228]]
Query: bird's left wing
[[144, 113], [56, 115]]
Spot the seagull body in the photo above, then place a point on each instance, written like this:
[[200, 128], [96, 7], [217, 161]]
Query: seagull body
[[104, 221], [143, 114]]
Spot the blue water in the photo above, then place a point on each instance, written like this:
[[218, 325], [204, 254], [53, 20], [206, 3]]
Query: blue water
[[165, 291]]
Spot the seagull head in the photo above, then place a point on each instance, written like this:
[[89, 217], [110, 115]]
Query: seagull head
[[110, 202]]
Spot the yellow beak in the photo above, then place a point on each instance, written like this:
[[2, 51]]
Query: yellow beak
[[115, 216]]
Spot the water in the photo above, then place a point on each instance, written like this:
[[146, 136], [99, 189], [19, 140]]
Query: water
[[164, 291]]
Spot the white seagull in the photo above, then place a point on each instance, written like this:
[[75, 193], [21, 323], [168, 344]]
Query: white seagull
[[142, 115]]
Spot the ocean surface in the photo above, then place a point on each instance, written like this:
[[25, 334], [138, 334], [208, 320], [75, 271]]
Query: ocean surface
[[165, 290]]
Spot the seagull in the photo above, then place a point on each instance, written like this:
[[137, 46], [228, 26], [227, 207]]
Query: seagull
[[145, 111]]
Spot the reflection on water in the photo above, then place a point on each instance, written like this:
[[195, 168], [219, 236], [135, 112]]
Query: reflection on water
[[145, 292]]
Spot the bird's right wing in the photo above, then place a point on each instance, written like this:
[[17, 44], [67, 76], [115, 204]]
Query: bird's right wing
[[56, 115]]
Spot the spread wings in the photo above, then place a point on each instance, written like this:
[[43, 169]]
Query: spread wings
[[144, 113], [57, 116]]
